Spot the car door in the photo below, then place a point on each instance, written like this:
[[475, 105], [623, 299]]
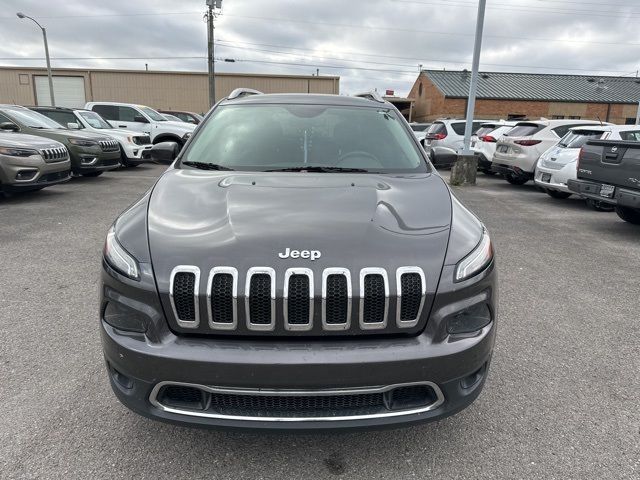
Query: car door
[[133, 119]]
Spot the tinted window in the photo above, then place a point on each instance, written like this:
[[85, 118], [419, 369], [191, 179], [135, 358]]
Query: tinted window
[[31, 118], [265, 137], [95, 120], [631, 135], [524, 130], [485, 129], [153, 115], [562, 130], [127, 114], [436, 128], [110, 112], [458, 127], [61, 117], [419, 127], [577, 139]]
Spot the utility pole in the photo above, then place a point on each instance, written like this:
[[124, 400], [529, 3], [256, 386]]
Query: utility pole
[[213, 8], [46, 53], [465, 168]]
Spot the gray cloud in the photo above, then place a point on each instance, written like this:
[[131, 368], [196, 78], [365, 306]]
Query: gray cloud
[[592, 37]]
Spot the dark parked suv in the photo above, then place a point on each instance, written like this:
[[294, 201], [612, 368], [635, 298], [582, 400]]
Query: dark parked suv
[[90, 153], [318, 275]]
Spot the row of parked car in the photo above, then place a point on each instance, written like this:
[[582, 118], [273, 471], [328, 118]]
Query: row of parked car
[[43, 146], [547, 152]]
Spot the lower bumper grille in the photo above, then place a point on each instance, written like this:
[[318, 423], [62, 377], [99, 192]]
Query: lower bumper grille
[[284, 405]]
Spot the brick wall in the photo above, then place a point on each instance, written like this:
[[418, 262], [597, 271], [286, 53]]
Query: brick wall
[[431, 104]]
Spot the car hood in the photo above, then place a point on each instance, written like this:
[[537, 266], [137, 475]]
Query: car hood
[[186, 127], [22, 140], [66, 134], [243, 220]]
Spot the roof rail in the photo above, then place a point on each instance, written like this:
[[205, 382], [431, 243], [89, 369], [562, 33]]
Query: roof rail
[[375, 96], [242, 92]]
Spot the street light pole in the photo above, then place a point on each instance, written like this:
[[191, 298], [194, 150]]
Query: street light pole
[[212, 5], [464, 170], [46, 53]]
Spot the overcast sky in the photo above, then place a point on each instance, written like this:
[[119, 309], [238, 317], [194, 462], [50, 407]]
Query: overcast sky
[[374, 43]]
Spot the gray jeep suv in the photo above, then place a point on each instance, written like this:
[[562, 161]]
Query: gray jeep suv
[[300, 266]]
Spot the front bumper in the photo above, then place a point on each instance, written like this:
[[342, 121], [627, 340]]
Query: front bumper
[[623, 197], [42, 174], [138, 363], [558, 177], [137, 153], [93, 159]]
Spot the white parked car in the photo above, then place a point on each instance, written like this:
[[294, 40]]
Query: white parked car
[[518, 150], [483, 143], [445, 138], [173, 118], [144, 119], [560, 162], [135, 147], [420, 131]]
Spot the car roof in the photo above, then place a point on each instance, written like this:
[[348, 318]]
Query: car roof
[[304, 99], [117, 104]]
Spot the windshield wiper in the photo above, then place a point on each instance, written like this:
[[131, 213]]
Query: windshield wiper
[[311, 168], [205, 166]]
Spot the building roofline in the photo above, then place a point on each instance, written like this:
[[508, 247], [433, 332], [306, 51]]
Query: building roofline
[[593, 75], [172, 72]]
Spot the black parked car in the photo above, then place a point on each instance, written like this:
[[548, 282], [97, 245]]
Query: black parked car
[[300, 266]]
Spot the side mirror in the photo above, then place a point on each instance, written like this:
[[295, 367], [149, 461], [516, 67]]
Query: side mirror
[[10, 126], [140, 119], [73, 126], [165, 152]]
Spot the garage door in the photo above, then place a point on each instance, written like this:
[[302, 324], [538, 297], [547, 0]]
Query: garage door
[[68, 91]]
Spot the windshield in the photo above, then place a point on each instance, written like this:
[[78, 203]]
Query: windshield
[[32, 119], [270, 137], [153, 115], [577, 138], [95, 120]]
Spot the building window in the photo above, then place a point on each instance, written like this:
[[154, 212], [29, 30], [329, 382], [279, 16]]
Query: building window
[[420, 89], [574, 117], [630, 121], [557, 117]]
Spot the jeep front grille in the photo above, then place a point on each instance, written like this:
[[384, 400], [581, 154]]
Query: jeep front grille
[[297, 304], [109, 145], [52, 155]]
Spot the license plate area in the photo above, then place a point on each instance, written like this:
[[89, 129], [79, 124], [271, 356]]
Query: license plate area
[[607, 191], [546, 178]]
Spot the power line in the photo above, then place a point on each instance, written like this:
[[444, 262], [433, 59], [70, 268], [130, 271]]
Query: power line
[[417, 59]]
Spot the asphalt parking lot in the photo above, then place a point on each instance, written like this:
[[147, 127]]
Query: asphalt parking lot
[[561, 401]]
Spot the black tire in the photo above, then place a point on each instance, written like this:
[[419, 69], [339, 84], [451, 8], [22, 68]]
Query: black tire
[[124, 161], [516, 179], [557, 194], [631, 215], [599, 206], [92, 174]]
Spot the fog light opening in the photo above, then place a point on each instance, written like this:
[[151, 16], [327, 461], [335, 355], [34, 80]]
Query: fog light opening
[[183, 396], [473, 379], [121, 379], [24, 175], [411, 396], [88, 160]]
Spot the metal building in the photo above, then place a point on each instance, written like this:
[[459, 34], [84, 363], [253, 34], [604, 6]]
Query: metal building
[[159, 89]]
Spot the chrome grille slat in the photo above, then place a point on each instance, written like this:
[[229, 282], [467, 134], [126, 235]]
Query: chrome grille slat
[[214, 322], [271, 304], [400, 272], [289, 300], [364, 323], [327, 302], [52, 155], [182, 320], [109, 145]]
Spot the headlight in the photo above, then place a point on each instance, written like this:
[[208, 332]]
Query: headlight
[[130, 140], [17, 152], [477, 260], [81, 142], [119, 258]]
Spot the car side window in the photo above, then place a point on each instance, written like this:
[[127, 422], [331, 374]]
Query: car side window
[[631, 136], [127, 114], [562, 130], [109, 112], [62, 117]]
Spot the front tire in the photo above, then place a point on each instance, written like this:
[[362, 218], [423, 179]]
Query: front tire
[[631, 215], [557, 194], [599, 206], [516, 179]]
